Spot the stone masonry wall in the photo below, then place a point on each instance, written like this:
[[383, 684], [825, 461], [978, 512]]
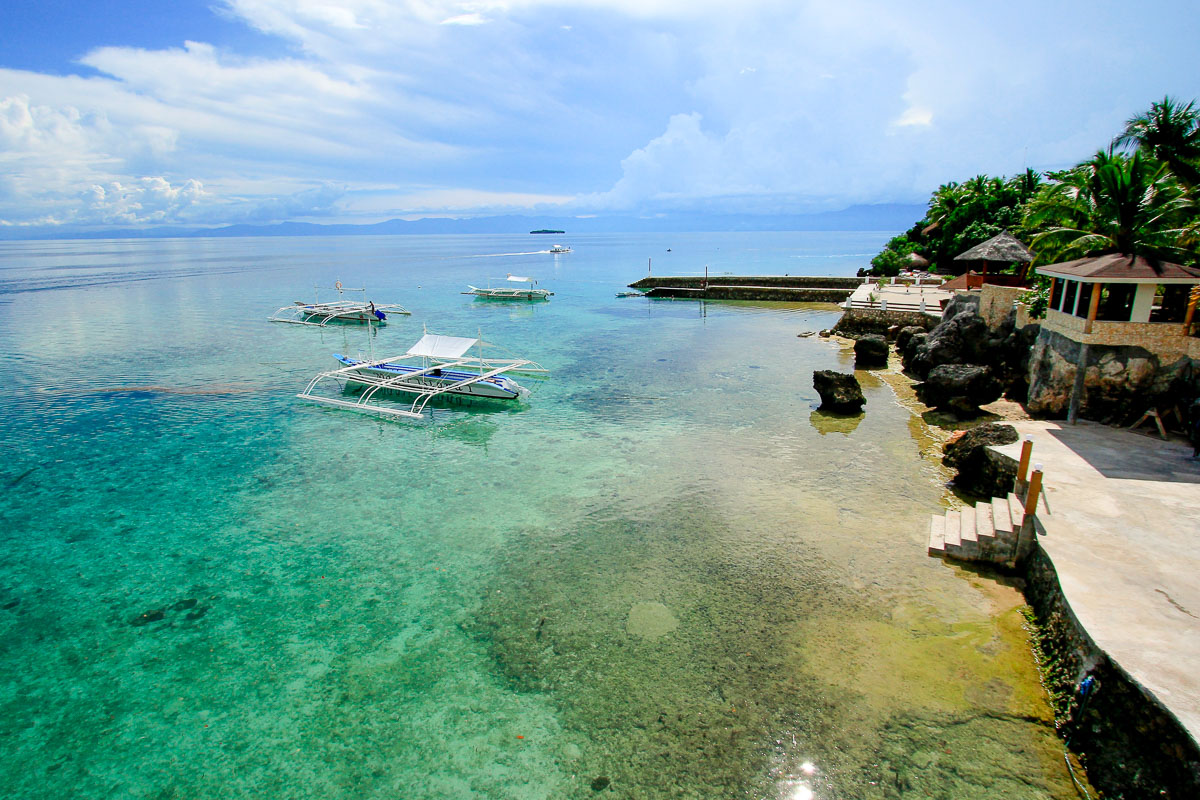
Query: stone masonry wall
[[996, 302], [857, 321], [1164, 339]]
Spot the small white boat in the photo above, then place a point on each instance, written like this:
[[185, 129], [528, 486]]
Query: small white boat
[[560, 248], [436, 365], [322, 313], [527, 291]]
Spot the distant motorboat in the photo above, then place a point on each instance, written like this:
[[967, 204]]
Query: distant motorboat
[[560, 248]]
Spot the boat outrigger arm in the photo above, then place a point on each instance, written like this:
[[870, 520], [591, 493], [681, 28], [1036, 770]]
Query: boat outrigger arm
[[439, 357], [321, 312]]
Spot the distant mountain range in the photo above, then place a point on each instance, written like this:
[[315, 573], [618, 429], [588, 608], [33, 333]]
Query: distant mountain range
[[883, 217]]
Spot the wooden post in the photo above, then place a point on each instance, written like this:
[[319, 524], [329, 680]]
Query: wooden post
[[1026, 452], [1035, 489], [1050, 298], [1093, 307]]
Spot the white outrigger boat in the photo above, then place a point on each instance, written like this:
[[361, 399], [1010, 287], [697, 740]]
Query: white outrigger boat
[[322, 313], [560, 248], [436, 365], [527, 292]]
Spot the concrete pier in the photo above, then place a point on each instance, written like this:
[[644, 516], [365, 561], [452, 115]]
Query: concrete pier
[[1121, 525]]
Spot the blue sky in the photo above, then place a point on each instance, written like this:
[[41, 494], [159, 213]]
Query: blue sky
[[140, 113]]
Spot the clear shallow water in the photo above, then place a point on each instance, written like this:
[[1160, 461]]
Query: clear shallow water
[[666, 575]]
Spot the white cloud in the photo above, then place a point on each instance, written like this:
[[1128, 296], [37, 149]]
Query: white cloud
[[465, 19], [915, 117], [645, 105]]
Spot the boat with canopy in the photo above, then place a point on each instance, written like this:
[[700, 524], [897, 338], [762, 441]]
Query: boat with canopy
[[527, 291], [435, 366], [322, 313]]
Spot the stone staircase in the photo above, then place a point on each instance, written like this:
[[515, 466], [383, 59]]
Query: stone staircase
[[990, 532]]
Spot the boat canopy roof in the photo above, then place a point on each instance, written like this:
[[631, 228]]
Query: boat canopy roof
[[432, 345], [520, 279]]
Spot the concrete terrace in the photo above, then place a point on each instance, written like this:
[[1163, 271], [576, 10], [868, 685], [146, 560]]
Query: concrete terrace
[[1121, 523]]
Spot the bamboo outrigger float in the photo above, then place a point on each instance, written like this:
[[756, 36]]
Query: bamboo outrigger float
[[434, 366], [322, 313]]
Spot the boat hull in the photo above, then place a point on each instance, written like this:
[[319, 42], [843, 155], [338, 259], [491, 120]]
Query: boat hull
[[497, 388]]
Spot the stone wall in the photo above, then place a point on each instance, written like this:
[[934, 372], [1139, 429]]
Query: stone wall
[[996, 303], [1164, 339], [1131, 746], [787, 281], [857, 321]]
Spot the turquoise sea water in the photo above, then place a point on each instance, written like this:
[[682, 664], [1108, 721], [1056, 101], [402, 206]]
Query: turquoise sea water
[[665, 575]]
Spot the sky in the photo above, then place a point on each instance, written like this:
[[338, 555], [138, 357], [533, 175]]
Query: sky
[[145, 113]]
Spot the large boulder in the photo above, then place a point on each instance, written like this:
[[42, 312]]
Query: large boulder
[[911, 348], [905, 335], [871, 351], [980, 470], [961, 388], [965, 444], [839, 392], [961, 339]]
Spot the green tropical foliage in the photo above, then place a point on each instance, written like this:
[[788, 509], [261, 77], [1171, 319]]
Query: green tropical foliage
[[1113, 203], [961, 216], [1142, 196], [1170, 133]]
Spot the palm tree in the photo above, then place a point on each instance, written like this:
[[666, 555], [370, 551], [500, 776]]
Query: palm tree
[[1169, 132], [1111, 204]]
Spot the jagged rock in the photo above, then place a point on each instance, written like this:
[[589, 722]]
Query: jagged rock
[[960, 388], [911, 347], [839, 392], [871, 351], [960, 339], [824, 334], [980, 470], [1119, 381], [905, 335], [965, 444]]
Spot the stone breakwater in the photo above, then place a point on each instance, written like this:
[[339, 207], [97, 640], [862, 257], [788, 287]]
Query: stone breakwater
[[750, 287]]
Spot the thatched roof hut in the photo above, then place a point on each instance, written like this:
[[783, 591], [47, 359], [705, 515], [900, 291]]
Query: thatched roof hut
[[917, 261], [1004, 248]]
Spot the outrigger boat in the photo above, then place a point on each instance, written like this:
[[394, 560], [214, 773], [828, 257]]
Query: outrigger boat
[[322, 313], [560, 248], [527, 292], [436, 365]]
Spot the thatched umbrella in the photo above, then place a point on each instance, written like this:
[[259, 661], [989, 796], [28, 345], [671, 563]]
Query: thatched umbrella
[[1002, 248], [917, 261]]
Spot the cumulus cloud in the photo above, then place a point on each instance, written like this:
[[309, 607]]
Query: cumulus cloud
[[621, 104]]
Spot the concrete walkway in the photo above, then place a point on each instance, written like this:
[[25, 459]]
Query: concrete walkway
[[1122, 527]]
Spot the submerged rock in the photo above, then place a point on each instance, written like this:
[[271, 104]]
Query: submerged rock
[[600, 783], [147, 617], [871, 351], [839, 391]]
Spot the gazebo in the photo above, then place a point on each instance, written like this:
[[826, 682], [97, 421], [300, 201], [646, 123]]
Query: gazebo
[[1003, 248], [1120, 288], [1115, 301]]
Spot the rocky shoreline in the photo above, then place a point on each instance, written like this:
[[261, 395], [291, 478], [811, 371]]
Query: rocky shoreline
[[1130, 745]]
